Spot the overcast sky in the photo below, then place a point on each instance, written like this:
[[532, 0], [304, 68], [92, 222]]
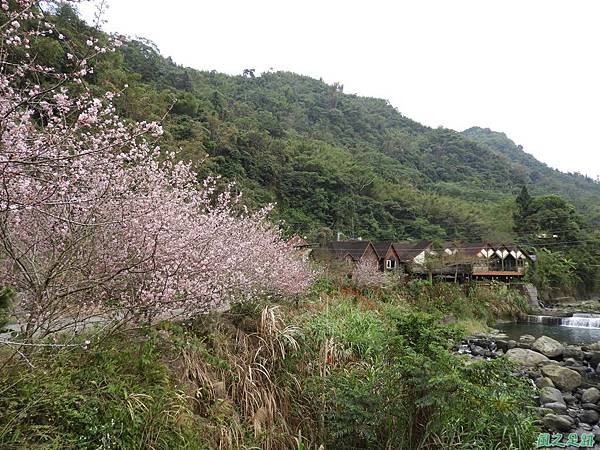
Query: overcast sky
[[529, 68]]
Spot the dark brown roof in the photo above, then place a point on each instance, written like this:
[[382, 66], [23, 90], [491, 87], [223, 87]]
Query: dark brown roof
[[296, 241], [322, 254], [407, 251], [473, 248], [382, 247], [452, 244], [353, 248]]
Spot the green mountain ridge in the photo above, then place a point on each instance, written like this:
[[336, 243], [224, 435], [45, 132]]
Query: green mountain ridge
[[579, 189], [332, 162]]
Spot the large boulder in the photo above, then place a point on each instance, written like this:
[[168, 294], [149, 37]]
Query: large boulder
[[594, 346], [591, 406], [542, 382], [594, 358], [526, 357], [591, 395], [556, 407], [548, 346], [550, 395], [527, 339], [558, 422], [589, 416], [573, 351], [563, 378]]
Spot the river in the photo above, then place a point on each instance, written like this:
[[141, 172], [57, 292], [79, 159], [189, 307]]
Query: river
[[578, 329]]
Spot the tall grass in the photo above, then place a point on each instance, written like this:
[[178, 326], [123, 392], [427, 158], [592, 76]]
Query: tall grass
[[343, 369], [108, 396]]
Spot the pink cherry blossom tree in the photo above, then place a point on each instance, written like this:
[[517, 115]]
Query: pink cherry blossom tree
[[95, 220], [366, 274]]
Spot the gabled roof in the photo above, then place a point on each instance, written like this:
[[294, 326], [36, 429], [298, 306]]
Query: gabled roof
[[407, 251], [452, 244], [322, 253], [382, 247], [356, 249], [473, 248], [296, 242]]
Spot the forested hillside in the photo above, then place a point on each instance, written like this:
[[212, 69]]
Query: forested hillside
[[333, 162], [579, 189]]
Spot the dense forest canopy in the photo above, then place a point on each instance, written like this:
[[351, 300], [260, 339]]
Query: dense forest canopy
[[332, 162]]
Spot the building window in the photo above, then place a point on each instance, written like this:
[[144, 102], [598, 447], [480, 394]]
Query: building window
[[390, 264]]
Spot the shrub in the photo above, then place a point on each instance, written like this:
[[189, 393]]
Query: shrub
[[352, 331], [416, 394], [367, 276], [108, 396], [441, 392], [6, 302]]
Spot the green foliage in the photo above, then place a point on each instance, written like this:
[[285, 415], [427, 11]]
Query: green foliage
[[6, 303], [323, 285], [579, 189], [497, 300], [423, 333], [328, 159], [343, 371], [467, 406], [550, 219], [586, 257], [418, 395], [479, 302], [108, 396], [568, 251], [356, 332], [553, 270]]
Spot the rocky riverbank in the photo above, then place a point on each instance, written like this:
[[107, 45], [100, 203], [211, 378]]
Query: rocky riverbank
[[567, 306], [566, 378]]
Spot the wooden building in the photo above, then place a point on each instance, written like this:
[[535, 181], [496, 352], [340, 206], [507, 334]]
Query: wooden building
[[301, 246], [349, 252], [457, 261], [491, 261], [389, 260], [413, 253]]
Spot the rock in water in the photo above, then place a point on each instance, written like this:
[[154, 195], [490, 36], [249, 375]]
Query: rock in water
[[556, 407], [594, 346], [563, 378], [591, 395], [526, 357], [550, 395], [558, 422], [548, 346], [527, 339], [573, 351], [589, 416], [594, 358], [544, 382]]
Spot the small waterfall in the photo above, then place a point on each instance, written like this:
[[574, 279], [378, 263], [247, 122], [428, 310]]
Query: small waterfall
[[579, 320], [542, 320], [582, 321]]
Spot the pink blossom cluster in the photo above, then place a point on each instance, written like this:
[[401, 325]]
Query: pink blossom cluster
[[367, 275], [92, 220]]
